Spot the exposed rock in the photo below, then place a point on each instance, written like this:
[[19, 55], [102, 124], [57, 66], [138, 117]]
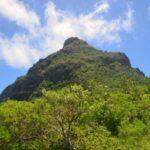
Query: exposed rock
[[76, 62]]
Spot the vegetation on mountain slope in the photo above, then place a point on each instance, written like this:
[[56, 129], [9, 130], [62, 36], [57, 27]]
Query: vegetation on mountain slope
[[77, 99], [77, 62]]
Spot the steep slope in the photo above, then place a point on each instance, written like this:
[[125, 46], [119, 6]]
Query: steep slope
[[76, 62]]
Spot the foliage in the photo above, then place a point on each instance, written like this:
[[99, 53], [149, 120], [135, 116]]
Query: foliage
[[77, 99], [77, 118]]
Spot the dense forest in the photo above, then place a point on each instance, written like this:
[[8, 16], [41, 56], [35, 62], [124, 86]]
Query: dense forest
[[78, 118], [79, 98]]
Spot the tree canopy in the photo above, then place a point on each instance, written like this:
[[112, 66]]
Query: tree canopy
[[78, 118]]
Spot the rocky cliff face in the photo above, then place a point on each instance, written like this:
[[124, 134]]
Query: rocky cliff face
[[75, 62]]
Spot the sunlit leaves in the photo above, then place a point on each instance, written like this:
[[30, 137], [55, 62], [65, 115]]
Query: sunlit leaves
[[75, 118]]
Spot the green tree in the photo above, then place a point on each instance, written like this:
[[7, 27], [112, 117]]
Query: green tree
[[67, 107]]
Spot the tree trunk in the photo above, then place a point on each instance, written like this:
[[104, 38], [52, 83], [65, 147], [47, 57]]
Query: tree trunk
[[68, 144]]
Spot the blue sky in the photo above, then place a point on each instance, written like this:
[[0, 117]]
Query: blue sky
[[33, 29]]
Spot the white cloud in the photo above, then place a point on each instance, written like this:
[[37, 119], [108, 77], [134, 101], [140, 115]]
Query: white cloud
[[128, 23], [16, 11], [89, 26], [22, 50], [101, 7], [17, 52]]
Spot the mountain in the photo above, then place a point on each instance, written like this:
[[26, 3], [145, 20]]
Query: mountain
[[77, 62]]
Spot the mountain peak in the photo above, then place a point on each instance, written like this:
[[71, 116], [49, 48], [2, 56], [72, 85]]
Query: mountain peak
[[74, 41], [77, 62]]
